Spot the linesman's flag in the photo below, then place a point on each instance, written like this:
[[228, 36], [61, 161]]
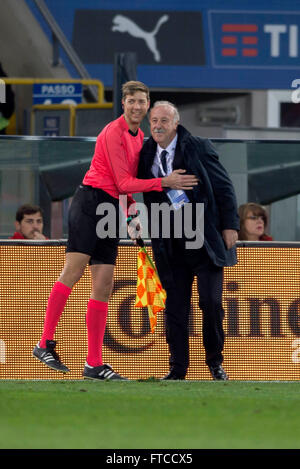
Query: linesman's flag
[[149, 290]]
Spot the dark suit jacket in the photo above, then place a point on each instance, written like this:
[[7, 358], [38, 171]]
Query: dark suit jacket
[[214, 190]]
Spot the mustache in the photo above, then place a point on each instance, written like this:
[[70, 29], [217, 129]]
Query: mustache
[[158, 131]]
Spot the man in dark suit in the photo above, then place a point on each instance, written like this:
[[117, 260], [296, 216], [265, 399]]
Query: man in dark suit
[[178, 261]]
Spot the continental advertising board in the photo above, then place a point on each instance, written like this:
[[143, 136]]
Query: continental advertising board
[[262, 320]]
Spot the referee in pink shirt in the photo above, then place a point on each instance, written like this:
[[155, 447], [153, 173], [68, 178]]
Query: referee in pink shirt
[[112, 173]]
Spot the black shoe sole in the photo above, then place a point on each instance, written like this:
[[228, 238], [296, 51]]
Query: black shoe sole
[[104, 379], [172, 379], [94, 379]]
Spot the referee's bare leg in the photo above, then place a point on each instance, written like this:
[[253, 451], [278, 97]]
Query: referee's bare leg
[[96, 316], [102, 275], [97, 308], [73, 270], [102, 281]]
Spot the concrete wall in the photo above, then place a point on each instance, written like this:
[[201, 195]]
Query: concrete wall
[[25, 51]]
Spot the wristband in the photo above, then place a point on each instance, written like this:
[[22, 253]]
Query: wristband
[[131, 217]]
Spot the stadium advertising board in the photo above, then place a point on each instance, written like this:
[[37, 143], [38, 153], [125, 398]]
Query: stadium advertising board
[[262, 321], [204, 44]]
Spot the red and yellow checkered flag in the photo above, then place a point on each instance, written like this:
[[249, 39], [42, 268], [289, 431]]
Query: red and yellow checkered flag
[[149, 290]]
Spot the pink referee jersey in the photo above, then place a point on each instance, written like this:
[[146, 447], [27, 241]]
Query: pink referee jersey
[[115, 162]]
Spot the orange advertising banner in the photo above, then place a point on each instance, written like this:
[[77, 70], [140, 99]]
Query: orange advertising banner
[[262, 321]]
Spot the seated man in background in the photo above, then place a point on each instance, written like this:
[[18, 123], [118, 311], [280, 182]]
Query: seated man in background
[[29, 223]]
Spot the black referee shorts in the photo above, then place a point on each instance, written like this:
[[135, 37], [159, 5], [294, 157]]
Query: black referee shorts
[[83, 222]]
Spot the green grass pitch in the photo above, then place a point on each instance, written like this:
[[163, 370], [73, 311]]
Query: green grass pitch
[[160, 415]]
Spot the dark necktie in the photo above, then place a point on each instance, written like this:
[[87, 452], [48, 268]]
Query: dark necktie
[[163, 159]]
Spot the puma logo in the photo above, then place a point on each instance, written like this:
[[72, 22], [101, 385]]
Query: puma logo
[[122, 24]]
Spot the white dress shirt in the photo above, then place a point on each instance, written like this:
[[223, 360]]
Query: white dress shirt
[[170, 158]]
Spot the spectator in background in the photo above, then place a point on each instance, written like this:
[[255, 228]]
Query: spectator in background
[[254, 221], [29, 223], [7, 108]]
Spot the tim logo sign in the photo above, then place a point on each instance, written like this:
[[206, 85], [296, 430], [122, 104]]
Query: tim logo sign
[[157, 37], [255, 39]]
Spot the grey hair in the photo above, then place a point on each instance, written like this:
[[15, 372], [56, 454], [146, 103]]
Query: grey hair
[[167, 103]]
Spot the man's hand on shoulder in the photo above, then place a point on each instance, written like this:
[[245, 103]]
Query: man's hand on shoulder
[[178, 180]]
